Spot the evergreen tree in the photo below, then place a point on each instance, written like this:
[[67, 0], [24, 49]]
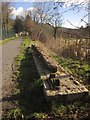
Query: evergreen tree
[[18, 25]]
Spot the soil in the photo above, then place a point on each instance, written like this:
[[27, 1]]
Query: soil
[[9, 51]]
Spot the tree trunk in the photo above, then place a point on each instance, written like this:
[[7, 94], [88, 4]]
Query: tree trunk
[[55, 32]]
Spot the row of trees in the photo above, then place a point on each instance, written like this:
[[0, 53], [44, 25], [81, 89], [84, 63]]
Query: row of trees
[[49, 12], [6, 19], [44, 12], [9, 26]]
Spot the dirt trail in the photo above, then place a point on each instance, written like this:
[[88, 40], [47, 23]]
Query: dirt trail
[[9, 51]]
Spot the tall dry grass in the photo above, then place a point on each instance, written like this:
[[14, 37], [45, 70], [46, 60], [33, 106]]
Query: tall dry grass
[[73, 48]]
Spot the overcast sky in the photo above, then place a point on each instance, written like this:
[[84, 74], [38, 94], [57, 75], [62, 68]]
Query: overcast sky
[[73, 15]]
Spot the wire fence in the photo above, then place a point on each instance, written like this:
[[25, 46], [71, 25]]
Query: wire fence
[[7, 34]]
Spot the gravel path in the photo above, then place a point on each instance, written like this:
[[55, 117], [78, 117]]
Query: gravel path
[[9, 51]]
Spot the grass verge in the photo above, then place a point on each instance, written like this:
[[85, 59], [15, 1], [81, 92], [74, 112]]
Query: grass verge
[[6, 40], [29, 92]]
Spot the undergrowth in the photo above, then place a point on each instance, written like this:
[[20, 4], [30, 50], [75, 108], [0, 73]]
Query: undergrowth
[[79, 68]]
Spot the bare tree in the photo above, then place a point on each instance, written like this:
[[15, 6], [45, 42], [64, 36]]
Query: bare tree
[[57, 22], [47, 12], [6, 17]]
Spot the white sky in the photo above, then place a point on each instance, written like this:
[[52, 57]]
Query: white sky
[[67, 1]]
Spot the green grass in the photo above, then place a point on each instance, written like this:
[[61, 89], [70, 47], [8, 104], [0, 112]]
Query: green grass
[[6, 40], [74, 66]]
